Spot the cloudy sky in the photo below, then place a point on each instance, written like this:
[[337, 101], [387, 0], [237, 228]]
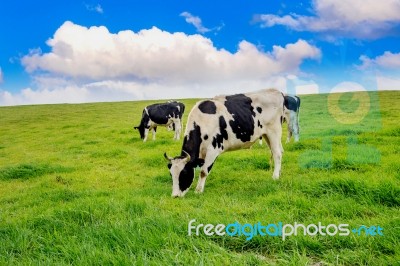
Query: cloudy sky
[[88, 51]]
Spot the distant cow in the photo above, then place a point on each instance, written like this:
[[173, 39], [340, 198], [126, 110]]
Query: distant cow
[[292, 108], [164, 114], [227, 123], [291, 116]]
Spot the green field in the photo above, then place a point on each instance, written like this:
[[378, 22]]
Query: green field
[[78, 186]]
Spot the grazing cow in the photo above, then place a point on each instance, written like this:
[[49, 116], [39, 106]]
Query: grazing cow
[[291, 116], [161, 114], [227, 123], [292, 108]]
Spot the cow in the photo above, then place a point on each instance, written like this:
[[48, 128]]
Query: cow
[[291, 116], [226, 123], [292, 108], [163, 114]]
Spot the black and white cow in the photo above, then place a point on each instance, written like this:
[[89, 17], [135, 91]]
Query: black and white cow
[[163, 114], [291, 116], [292, 108], [227, 123]]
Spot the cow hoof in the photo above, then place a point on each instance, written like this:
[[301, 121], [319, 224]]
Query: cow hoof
[[198, 191], [275, 177]]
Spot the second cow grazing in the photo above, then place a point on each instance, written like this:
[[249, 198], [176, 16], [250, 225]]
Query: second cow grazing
[[165, 114], [227, 123], [291, 116], [292, 108]]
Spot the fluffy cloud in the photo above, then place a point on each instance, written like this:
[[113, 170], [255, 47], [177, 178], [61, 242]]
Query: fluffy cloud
[[362, 19], [111, 90], [388, 60], [388, 83], [347, 86], [92, 64], [155, 55]]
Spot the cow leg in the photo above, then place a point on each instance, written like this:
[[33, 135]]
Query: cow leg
[[296, 129], [269, 146], [178, 128], [154, 133], [146, 134], [274, 136], [289, 134], [294, 125], [205, 170]]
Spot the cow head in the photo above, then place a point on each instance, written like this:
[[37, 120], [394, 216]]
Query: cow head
[[182, 173], [141, 130]]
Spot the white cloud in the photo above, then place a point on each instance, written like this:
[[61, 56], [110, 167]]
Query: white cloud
[[195, 21], [92, 64], [307, 89], [388, 60], [387, 83], [347, 86], [95, 8], [111, 90], [57, 90], [155, 55], [360, 19]]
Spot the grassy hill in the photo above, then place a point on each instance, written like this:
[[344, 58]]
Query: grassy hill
[[78, 186]]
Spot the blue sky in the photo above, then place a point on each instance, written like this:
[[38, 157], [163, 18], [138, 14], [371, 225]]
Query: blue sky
[[85, 51]]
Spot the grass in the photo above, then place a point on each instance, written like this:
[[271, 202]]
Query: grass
[[78, 186]]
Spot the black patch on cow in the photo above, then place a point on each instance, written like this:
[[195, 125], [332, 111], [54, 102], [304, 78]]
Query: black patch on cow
[[160, 113], [181, 109], [169, 165], [191, 144], [291, 103], [259, 109], [218, 139], [208, 107], [186, 177], [240, 107], [259, 124], [209, 168], [205, 137]]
